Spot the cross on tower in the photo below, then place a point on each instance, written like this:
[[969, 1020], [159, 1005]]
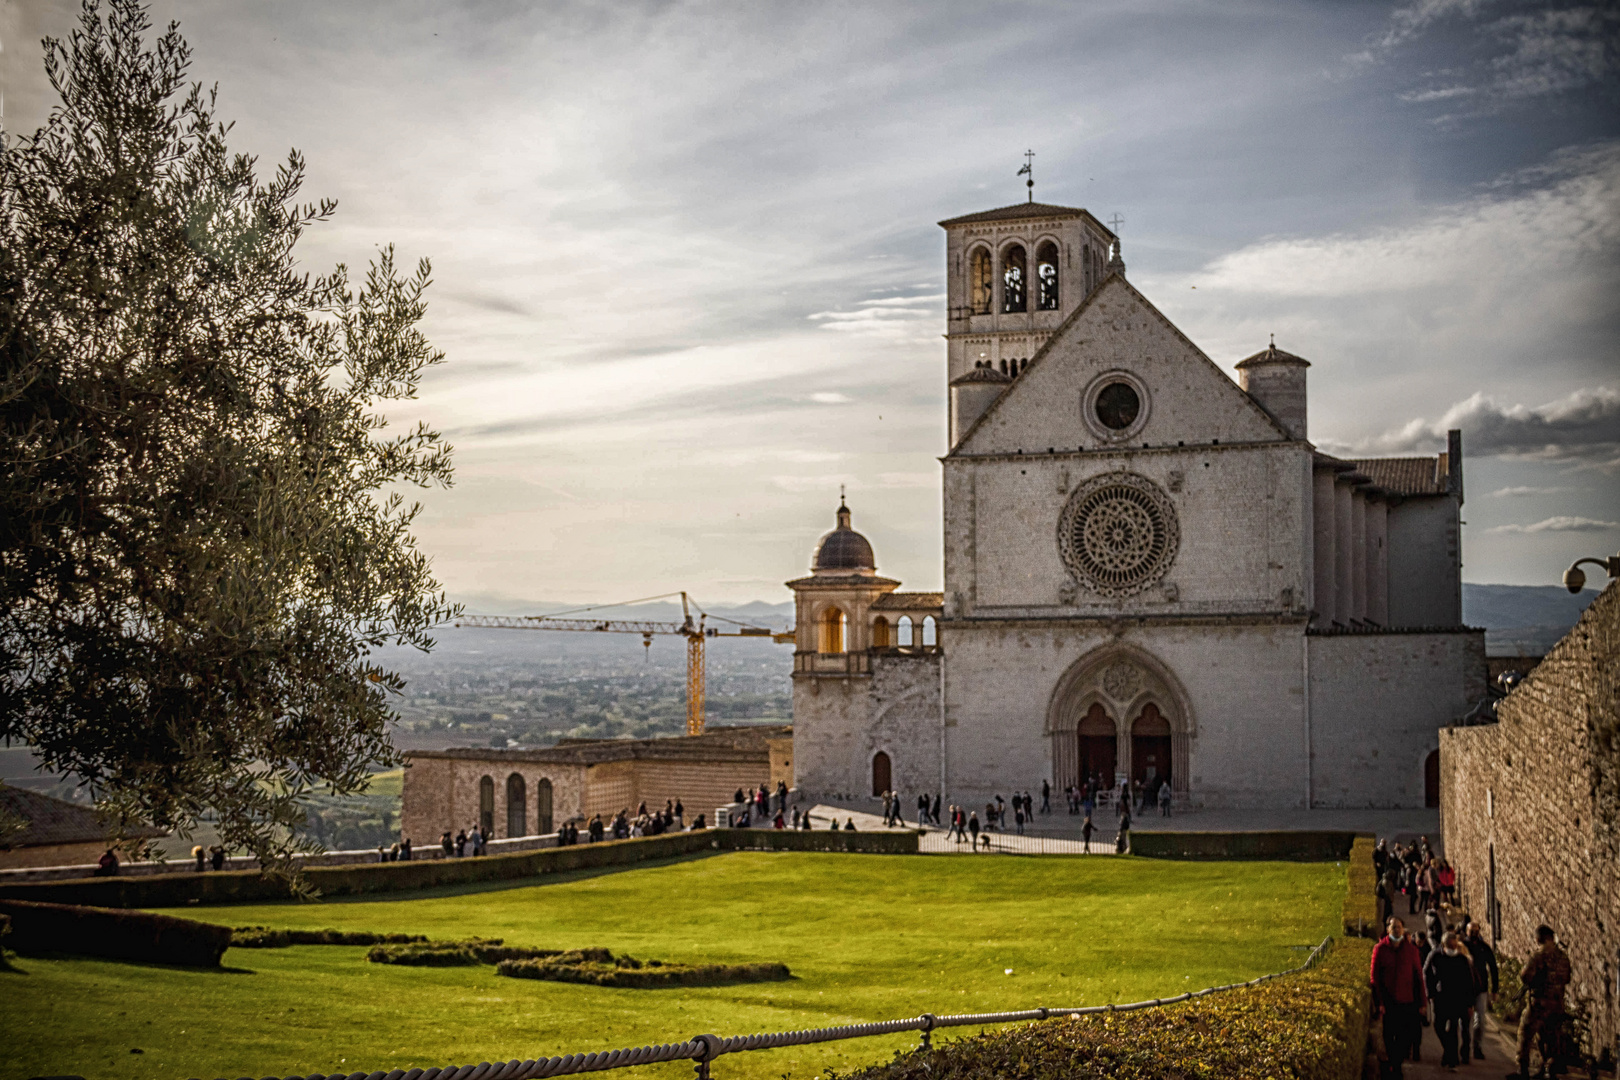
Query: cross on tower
[[1029, 171], [1115, 222]]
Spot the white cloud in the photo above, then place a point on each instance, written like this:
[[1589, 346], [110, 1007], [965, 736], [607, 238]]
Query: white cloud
[[1522, 492], [1582, 428], [1561, 524], [829, 397]]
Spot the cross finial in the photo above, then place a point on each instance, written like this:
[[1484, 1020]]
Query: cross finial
[[840, 494], [1115, 222], [1029, 171]]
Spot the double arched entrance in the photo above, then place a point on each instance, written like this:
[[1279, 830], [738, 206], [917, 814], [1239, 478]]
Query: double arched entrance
[[1119, 712]]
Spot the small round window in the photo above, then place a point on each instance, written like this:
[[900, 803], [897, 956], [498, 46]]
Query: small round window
[[1118, 406]]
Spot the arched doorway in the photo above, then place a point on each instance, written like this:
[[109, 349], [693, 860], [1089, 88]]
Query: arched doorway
[[1150, 747], [1431, 779], [1099, 746], [516, 806], [542, 806], [486, 806], [882, 773]]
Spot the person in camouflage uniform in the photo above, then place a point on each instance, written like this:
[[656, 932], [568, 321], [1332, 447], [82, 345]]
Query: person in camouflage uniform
[[1544, 978]]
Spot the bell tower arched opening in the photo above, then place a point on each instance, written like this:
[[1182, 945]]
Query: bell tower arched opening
[[1046, 277], [981, 282], [1014, 280], [834, 631]]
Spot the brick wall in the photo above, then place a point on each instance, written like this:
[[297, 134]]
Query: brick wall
[[1529, 808]]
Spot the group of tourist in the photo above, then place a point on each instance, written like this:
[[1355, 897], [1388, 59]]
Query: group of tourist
[[209, 858], [1428, 881], [1446, 977], [400, 852], [1143, 795]]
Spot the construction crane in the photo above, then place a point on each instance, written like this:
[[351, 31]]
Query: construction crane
[[695, 633]]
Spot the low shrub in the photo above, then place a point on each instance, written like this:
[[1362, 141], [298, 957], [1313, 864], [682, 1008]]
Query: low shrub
[[1303, 846], [263, 937], [113, 933], [1361, 891], [1308, 1026], [471, 951], [629, 973]]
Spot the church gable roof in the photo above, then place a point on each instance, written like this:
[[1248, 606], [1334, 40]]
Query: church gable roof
[[1117, 328]]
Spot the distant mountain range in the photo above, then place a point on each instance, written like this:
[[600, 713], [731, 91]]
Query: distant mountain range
[[1523, 620]]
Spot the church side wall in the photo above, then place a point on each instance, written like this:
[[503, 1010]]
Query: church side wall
[[1378, 702], [839, 724], [1243, 686], [1424, 576], [442, 793]]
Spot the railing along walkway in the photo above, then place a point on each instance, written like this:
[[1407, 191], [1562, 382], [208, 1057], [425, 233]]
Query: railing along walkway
[[704, 1049]]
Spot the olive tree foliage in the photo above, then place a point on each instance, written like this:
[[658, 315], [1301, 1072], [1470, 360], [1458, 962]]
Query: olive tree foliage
[[202, 544]]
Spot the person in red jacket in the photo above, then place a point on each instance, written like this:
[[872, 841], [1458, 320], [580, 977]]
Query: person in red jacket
[[1398, 994]]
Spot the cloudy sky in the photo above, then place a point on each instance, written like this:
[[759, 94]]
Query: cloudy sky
[[689, 282]]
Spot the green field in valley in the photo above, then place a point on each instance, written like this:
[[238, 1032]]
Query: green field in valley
[[868, 937]]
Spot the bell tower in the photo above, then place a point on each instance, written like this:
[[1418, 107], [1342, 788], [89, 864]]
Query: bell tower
[[1012, 276]]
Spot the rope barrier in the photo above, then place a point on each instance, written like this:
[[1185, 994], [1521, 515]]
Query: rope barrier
[[703, 1049]]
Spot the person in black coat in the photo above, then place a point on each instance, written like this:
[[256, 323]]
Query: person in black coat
[[1449, 977], [1485, 982]]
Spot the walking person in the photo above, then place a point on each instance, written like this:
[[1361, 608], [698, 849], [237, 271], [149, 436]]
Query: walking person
[[1122, 841], [1164, 799], [1448, 977], [1018, 816], [1046, 796], [973, 827], [1085, 833], [1544, 976], [1485, 979], [1399, 995]]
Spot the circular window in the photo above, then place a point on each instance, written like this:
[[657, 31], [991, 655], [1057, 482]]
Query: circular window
[[1114, 406], [1117, 406], [1118, 534]]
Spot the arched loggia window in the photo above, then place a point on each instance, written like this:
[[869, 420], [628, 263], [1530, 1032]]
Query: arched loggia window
[[486, 805], [834, 623], [1014, 279], [928, 635], [980, 282], [904, 632], [516, 807], [880, 633], [1046, 276]]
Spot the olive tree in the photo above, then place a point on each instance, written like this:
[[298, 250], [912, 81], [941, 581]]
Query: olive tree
[[202, 541]]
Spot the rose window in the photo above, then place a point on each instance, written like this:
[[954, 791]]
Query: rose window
[[1118, 534]]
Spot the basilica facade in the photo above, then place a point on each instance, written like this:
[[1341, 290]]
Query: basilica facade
[[1149, 570]]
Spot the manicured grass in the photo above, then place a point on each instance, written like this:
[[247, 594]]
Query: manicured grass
[[868, 937]]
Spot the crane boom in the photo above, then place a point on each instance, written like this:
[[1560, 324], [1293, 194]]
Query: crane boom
[[693, 632]]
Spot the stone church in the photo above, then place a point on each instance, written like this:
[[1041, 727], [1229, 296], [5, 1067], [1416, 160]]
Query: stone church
[[1149, 570]]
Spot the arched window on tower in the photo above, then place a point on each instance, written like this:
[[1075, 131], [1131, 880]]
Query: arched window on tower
[[980, 282], [880, 633], [834, 623], [928, 636], [486, 806], [904, 632], [516, 807], [1046, 274], [1014, 279]]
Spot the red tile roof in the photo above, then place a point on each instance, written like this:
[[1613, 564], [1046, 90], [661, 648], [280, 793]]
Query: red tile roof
[[1018, 211], [1404, 476], [57, 821], [909, 601]]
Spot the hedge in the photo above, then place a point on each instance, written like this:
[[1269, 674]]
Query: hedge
[[263, 937], [628, 972], [1308, 1026], [473, 951], [1361, 891], [1320, 846], [120, 935], [229, 886]]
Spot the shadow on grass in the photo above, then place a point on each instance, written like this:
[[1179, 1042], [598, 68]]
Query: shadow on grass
[[121, 962], [436, 892]]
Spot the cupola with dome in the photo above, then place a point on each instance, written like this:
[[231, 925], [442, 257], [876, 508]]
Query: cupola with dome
[[843, 550]]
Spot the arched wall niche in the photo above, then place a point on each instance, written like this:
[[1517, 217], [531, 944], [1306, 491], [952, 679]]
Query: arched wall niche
[[1124, 680]]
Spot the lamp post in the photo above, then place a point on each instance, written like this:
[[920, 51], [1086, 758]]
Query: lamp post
[[1575, 579]]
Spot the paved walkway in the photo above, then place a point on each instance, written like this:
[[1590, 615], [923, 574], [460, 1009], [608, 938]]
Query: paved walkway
[[1498, 1060]]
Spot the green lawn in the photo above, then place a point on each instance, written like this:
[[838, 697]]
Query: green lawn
[[868, 937]]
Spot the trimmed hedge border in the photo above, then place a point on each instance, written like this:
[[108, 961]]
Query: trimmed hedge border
[[1317, 846], [1308, 1026], [1361, 891], [238, 886], [263, 937], [474, 951], [629, 973], [114, 934]]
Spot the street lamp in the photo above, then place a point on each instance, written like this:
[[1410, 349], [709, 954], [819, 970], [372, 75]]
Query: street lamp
[[1575, 580]]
